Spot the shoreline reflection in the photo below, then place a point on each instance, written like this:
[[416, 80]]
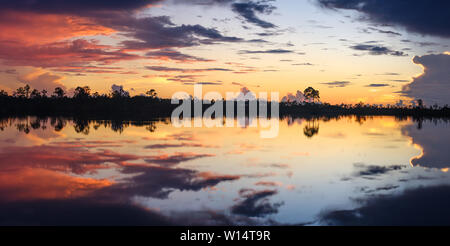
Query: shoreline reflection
[[160, 175]]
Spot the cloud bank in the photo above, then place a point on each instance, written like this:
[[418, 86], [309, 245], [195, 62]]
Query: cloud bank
[[424, 17], [434, 84]]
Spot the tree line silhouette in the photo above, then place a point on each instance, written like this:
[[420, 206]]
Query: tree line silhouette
[[118, 104], [85, 126], [80, 125], [84, 102]]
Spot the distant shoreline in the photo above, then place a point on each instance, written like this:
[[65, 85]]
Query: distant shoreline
[[141, 107]]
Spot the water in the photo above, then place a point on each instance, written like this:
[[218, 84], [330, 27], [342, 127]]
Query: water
[[321, 171]]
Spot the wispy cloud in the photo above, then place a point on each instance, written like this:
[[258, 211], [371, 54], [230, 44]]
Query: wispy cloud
[[249, 9], [378, 85], [337, 84], [185, 70], [256, 203], [377, 50], [273, 51]]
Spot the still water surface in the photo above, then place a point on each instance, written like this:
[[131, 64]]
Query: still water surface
[[322, 171]]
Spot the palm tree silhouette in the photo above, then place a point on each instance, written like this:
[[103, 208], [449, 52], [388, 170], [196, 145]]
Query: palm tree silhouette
[[311, 93], [311, 128]]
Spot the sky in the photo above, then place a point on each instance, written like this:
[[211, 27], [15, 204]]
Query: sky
[[370, 51]]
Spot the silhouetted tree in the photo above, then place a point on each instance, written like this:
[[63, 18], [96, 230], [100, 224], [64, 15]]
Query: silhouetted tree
[[82, 92], [81, 126], [3, 93], [58, 123], [96, 95], [44, 93], [35, 94], [152, 93], [151, 127], [360, 119], [359, 105], [20, 92], [35, 124], [27, 89], [311, 93], [25, 101], [311, 128], [119, 92], [59, 92], [420, 103], [23, 127]]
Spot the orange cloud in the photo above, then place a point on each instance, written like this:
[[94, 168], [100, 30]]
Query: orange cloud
[[38, 183], [40, 79], [32, 28], [79, 53], [61, 158], [214, 176]]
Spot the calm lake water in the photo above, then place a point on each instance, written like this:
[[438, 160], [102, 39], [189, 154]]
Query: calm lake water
[[351, 170]]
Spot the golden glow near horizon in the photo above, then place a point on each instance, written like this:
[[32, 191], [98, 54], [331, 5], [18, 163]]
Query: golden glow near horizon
[[309, 47]]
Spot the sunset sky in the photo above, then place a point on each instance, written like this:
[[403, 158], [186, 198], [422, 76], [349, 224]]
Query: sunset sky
[[351, 50]]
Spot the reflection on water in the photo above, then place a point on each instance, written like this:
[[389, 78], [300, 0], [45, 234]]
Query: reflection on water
[[344, 170], [311, 128], [433, 137]]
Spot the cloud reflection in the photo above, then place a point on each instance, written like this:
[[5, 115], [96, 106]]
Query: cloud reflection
[[433, 138], [424, 206], [256, 203]]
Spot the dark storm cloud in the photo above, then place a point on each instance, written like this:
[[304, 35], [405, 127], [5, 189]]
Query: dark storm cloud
[[434, 84], [424, 206], [77, 212], [256, 203], [337, 84], [217, 218], [249, 9], [92, 212], [424, 17], [274, 51], [80, 7], [377, 50]]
